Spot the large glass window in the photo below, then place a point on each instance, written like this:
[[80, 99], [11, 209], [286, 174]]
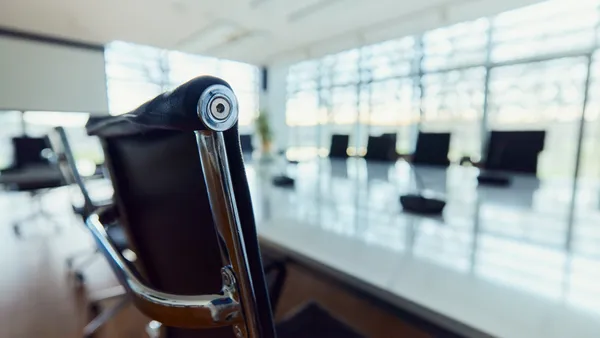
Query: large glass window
[[138, 73], [547, 28], [522, 69], [453, 102]]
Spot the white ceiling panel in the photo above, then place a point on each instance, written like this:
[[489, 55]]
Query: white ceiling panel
[[255, 31]]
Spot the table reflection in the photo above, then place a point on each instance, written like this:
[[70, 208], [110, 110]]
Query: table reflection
[[514, 237]]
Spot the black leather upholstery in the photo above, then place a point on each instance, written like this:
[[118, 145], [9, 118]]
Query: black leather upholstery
[[515, 151], [339, 146], [432, 149], [382, 148], [175, 110]]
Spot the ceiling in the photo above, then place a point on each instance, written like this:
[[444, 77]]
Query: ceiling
[[255, 31]]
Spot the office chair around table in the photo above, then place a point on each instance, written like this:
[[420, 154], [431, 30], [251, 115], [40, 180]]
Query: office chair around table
[[31, 172], [183, 199], [64, 158]]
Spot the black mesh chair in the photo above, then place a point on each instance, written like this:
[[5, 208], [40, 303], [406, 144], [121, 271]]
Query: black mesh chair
[[183, 199], [432, 149], [64, 158], [31, 172]]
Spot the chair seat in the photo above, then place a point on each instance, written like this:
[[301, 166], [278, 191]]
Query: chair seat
[[314, 322], [33, 177]]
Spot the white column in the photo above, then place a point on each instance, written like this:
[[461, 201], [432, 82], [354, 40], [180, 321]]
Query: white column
[[273, 101]]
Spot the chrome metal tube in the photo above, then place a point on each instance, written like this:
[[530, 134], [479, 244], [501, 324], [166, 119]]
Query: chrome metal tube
[[201, 311], [213, 158]]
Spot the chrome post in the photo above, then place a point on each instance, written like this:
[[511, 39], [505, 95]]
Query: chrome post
[[218, 111]]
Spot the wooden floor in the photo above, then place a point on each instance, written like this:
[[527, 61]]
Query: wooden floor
[[39, 298]]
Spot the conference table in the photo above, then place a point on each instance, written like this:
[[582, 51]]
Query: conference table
[[517, 261]]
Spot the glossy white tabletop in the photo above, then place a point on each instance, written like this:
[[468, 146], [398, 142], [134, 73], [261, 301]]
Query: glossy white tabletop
[[496, 263]]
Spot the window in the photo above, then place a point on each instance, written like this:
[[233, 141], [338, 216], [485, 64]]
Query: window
[[453, 102], [546, 28], [136, 74], [460, 45], [518, 70]]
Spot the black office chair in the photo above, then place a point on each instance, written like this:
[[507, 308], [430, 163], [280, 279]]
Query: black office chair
[[246, 144], [64, 158], [182, 196], [514, 151], [382, 148], [339, 146], [31, 172], [511, 151], [432, 149]]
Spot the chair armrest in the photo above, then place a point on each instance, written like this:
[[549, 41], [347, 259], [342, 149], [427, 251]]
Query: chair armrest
[[196, 312]]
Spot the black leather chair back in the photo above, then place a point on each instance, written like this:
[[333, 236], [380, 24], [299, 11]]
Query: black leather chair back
[[515, 151], [246, 143], [161, 195], [28, 151], [432, 149], [339, 146], [382, 148]]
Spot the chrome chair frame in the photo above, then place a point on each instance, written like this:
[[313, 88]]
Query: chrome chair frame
[[64, 158], [235, 305]]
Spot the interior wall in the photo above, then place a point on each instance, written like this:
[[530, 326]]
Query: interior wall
[[47, 76]]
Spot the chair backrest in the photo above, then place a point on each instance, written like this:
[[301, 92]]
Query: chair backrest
[[516, 151], [167, 210], [28, 151], [339, 146], [432, 149], [382, 148], [67, 164], [246, 143]]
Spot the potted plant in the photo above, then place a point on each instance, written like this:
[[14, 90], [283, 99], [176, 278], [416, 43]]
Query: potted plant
[[263, 128]]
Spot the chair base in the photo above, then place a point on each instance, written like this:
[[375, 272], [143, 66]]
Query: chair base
[[102, 317], [80, 260], [37, 214]]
